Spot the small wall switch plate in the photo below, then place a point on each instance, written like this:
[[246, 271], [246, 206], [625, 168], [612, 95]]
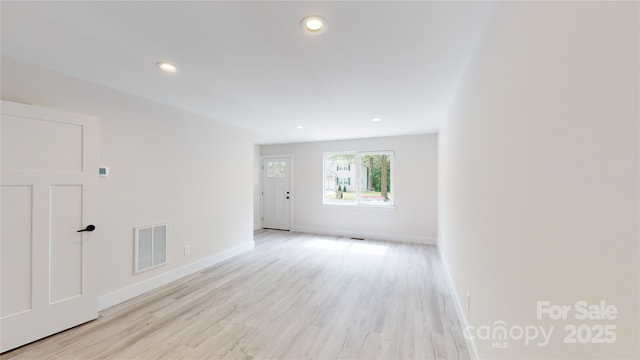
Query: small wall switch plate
[[103, 171], [187, 249]]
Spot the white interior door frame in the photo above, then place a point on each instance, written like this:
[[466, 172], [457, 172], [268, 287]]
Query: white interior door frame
[[291, 184]]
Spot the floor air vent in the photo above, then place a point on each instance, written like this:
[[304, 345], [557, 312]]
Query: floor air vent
[[150, 247]]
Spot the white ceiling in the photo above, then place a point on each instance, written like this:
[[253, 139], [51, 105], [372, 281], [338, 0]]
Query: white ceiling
[[250, 64]]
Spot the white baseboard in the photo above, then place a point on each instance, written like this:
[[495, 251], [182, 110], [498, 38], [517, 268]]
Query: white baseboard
[[427, 240], [471, 346], [129, 292]]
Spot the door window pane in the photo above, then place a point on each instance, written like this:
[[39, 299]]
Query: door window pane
[[275, 169]]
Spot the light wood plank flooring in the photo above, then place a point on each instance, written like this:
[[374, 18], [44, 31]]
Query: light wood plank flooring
[[296, 296]]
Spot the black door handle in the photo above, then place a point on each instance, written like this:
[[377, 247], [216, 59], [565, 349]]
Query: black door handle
[[287, 197], [89, 228]]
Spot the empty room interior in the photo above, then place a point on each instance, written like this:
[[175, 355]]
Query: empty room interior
[[320, 180]]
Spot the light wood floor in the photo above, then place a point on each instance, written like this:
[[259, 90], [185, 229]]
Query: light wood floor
[[295, 296]]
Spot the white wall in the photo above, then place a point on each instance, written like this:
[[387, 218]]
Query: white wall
[[166, 165], [415, 175], [257, 188], [539, 174]]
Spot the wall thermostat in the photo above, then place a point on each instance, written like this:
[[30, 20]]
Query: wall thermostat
[[103, 171]]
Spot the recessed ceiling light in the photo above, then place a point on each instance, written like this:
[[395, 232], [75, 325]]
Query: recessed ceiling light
[[167, 67], [299, 127], [377, 119], [314, 24]]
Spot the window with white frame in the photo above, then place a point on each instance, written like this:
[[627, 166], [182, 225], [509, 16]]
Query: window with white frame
[[358, 178]]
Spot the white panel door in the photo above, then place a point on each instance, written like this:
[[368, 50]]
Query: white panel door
[[48, 192], [276, 197]]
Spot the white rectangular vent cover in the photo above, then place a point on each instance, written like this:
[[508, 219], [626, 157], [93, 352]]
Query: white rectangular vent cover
[[150, 247]]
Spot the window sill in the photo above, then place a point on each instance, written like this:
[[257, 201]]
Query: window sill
[[359, 206]]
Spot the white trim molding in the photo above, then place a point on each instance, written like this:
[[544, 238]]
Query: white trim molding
[[471, 346], [129, 292]]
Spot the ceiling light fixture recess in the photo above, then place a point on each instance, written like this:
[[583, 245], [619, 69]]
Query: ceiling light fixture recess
[[314, 24], [166, 67], [376, 119], [299, 127]]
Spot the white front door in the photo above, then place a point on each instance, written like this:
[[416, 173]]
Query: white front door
[[48, 192], [276, 193]]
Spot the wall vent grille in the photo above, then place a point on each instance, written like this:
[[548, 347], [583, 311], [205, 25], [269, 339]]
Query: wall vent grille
[[150, 247]]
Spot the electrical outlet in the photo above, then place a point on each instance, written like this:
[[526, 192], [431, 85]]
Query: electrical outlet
[[187, 249], [468, 302]]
